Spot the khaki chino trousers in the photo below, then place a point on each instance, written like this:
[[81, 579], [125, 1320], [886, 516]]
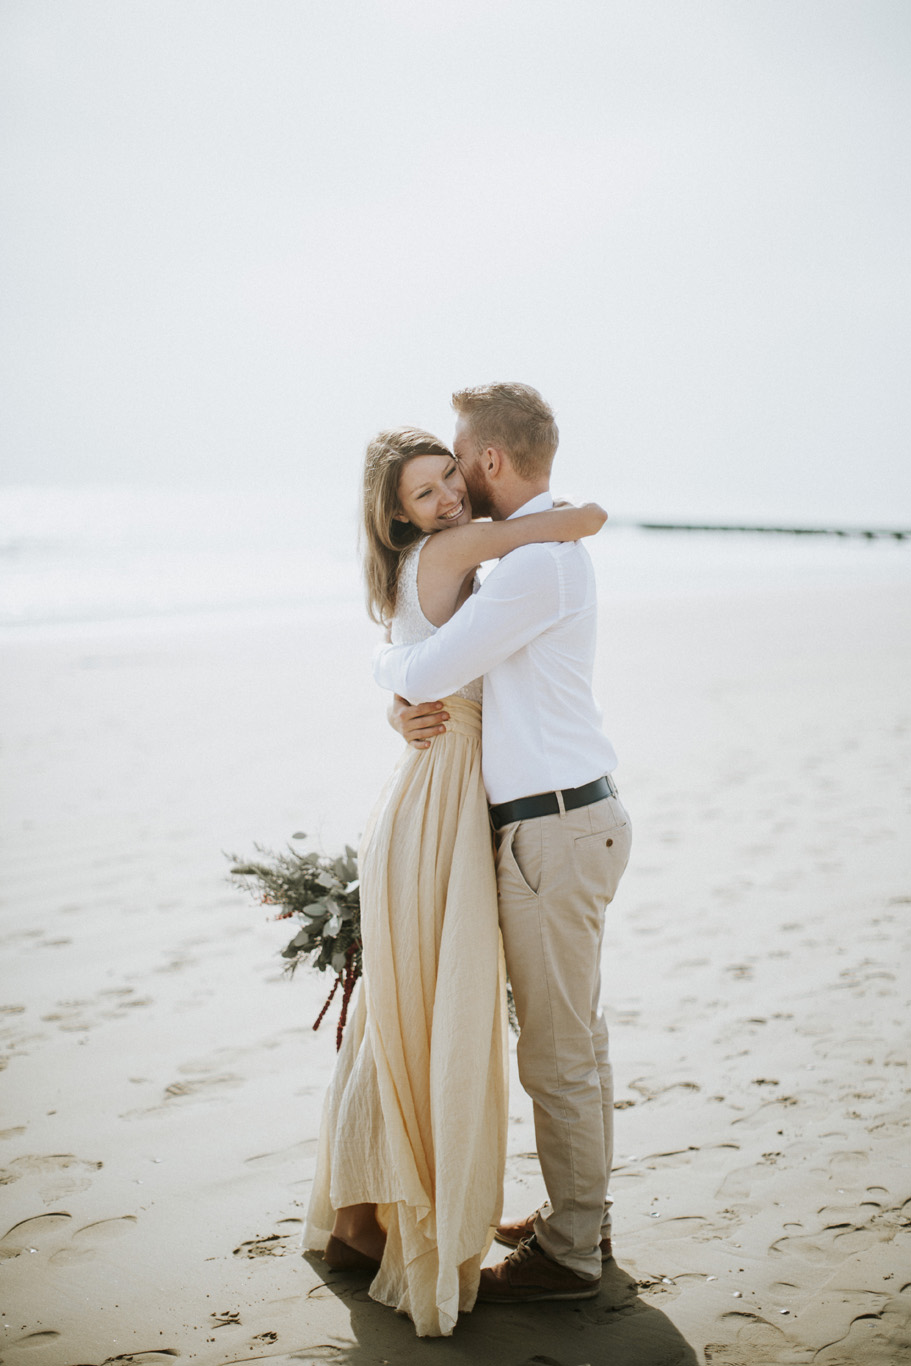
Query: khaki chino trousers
[[555, 876]]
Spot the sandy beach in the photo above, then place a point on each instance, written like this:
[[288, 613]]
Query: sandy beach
[[162, 1083]]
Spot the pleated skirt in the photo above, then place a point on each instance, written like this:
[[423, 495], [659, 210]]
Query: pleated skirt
[[415, 1117]]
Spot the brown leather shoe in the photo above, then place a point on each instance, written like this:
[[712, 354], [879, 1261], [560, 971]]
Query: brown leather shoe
[[511, 1235], [341, 1256], [529, 1274]]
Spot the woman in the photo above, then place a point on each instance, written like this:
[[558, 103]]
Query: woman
[[412, 1145]]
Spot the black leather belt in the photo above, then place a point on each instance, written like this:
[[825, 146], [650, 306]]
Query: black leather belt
[[546, 804]]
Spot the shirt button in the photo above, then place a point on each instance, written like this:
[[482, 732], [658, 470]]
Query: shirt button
[[609, 843]]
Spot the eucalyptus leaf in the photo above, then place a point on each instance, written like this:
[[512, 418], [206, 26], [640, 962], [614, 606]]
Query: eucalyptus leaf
[[320, 892]]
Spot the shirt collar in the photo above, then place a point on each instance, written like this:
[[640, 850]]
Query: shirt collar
[[540, 503]]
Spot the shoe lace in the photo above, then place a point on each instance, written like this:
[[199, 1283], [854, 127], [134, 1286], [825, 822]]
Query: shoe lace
[[526, 1249]]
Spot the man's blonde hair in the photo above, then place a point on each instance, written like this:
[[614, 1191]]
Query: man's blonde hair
[[515, 419]]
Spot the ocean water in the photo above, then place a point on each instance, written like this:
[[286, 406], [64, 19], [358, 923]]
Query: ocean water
[[124, 554], [120, 556]]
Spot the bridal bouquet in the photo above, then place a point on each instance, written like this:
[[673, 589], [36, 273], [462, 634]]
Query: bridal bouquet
[[322, 895]]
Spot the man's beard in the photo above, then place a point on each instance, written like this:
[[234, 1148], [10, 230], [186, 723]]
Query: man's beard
[[478, 491]]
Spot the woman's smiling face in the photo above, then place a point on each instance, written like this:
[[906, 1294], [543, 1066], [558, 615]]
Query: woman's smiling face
[[432, 493]]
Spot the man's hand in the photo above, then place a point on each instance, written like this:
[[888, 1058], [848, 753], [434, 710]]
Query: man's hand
[[595, 517], [591, 516], [417, 724]]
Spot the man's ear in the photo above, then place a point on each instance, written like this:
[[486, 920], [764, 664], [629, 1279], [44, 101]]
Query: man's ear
[[491, 461]]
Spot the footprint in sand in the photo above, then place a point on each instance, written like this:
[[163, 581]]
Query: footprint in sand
[[677, 1157], [336, 1291], [812, 1247], [520, 1165], [739, 1182], [746, 1340], [31, 1235], [296, 1153], [273, 1244], [87, 1241], [843, 1237], [649, 1092], [688, 1226], [163, 1356], [60, 1174], [770, 1111], [661, 1289], [200, 1086], [126, 1003], [52, 1233], [877, 1336], [42, 1339], [204, 1076], [842, 1161]]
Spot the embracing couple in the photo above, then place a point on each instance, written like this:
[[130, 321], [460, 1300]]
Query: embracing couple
[[499, 830]]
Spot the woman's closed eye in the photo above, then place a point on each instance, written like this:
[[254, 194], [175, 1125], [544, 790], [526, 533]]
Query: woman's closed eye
[[448, 475]]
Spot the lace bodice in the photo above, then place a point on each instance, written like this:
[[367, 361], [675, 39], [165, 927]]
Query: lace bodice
[[409, 624]]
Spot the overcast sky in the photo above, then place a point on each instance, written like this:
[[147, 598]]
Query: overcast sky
[[238, 236]]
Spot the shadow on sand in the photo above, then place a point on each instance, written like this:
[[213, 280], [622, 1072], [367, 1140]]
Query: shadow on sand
[[616, 1328]]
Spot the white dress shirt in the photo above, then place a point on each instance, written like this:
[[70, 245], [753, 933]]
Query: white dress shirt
[[530, 630]]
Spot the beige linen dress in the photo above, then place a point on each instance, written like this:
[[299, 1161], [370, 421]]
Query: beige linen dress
[[415, 1117]]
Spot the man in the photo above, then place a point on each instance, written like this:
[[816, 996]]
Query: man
[[562, 836]]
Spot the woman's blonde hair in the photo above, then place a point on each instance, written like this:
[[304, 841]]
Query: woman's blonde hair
[[385, 539]]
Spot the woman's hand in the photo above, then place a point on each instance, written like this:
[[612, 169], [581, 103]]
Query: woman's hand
[[417, 724]]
